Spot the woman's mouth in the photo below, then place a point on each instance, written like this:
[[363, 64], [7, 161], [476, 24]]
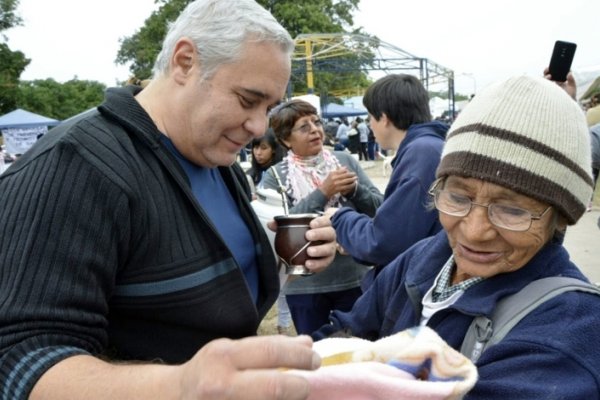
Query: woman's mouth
[[481, 257]]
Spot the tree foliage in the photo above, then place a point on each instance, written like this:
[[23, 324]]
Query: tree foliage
[[142, 47], [46, 97], [59, 100], [444, 95], [12, 65], [8, 14], [298, 17], [308, 16]]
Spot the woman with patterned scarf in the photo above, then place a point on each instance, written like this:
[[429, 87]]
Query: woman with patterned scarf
[[315, 179]]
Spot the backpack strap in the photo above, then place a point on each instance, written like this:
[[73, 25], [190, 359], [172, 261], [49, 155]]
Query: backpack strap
[[484, 332]]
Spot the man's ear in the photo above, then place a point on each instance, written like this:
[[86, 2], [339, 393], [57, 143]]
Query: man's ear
[[184, 60], [384, 120]]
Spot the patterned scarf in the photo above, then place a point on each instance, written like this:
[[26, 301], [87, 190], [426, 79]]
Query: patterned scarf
[[305, 174]]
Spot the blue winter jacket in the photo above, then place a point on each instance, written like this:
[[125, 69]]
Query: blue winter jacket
[[404, 217], [553, 353]]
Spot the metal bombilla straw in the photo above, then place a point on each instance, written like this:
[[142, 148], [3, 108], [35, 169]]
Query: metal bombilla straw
[[286, 211]]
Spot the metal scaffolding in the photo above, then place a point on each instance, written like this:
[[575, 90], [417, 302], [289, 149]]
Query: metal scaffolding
[[343, 52]]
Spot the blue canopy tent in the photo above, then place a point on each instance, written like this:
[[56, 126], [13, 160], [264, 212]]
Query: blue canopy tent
[[333, 110], [21, 129], [24, 119]]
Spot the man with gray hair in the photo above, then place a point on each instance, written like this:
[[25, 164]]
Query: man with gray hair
[[133, 250]]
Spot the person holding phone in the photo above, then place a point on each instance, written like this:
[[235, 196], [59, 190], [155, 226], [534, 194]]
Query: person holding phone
[[559, 69], [569, 85]]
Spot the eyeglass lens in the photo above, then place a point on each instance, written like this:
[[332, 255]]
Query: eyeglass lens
[[306, 127], [508, 217]]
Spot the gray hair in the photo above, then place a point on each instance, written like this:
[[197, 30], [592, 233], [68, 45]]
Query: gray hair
[[220, 29]]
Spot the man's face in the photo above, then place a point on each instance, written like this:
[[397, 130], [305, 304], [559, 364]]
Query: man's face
[[219, 116]]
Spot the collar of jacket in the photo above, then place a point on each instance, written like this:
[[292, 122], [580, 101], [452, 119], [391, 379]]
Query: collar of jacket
[[551, 260]]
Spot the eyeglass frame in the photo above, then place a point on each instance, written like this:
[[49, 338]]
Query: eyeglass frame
[[434, 190], [299, 108], [306, 128]]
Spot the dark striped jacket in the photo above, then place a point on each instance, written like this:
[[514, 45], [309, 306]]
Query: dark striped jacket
[[104, 250]]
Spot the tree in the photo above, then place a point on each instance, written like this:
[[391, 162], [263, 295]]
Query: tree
[[12, 63], [326, 16], [444, 95], [8, 16], [143, 46], [338, 70], [59, 100], [308, 16], [46, 97]]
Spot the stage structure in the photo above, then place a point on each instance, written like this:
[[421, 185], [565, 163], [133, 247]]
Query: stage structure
[[343, 52]]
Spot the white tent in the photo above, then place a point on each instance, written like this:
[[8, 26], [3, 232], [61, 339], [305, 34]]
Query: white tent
[[313, 99], [21, 129], [437, 106]]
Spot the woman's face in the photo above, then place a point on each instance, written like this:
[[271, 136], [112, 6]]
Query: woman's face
[[483, 249], [306, 138], [263, 153]]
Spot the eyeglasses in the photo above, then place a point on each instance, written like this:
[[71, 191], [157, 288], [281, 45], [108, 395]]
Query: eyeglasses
[[306, 128], [507, 217]]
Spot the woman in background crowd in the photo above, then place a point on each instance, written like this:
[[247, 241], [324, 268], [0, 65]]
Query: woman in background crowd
[[314, 179], [265, 153]]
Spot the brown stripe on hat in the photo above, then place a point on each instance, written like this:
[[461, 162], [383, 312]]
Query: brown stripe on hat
[[471, 165], [520, 157], [528, 135], [530, 144]]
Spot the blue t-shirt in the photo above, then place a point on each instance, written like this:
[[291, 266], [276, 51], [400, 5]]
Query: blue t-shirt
[[216, 201]]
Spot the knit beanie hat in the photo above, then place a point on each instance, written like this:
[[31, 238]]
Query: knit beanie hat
[[528, 135]]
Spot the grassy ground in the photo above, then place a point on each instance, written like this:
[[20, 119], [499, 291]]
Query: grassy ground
[[269, 323]]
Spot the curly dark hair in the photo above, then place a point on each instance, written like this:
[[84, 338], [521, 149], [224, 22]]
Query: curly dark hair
[[284, 116]]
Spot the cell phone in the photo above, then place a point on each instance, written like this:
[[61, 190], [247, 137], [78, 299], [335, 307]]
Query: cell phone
[[561, 60]]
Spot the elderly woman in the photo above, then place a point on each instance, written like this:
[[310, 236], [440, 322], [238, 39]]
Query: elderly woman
[[515, 171], [315, 179]]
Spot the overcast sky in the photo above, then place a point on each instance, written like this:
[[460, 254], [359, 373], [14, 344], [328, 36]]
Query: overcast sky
[[480, 40]]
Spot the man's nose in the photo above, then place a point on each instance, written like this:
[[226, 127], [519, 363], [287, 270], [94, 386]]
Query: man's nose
[[256, 124]]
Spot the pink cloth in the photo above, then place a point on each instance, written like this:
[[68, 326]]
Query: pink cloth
[[413, 364]]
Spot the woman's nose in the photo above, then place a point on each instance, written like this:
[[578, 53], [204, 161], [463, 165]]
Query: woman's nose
[[477, 226]]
